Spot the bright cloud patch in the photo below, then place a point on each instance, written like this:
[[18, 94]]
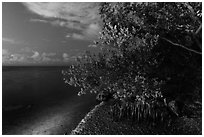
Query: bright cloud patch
[[8, 40], [44, 57], [77, 36], [78, 16], [48, 56], [92, 46], [35, 57], [39, 20], [9, 58], [5, 55], [17, 58], [65, 57]]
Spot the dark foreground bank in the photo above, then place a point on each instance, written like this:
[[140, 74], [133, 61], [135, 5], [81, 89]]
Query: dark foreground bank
[[100, 122], [36, 101]]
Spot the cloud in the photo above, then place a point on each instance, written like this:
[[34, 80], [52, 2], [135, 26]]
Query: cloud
[[47, 56], [75, 25], [44, 57], [78, 36], [5, 55], [65, 57], [5, 52], [92, 46], [70, 11], [92, 30], [8, 57], [68, 36], [36, 56], [17, 58], [77, 16], [13, 41], [26, 50], [8, 40], [24, 57], [38, 20]]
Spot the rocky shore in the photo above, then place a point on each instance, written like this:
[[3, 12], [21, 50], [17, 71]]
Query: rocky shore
[[99, 122]]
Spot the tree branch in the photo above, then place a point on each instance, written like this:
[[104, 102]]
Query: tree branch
[[198, 37], [179, 45], [199, 30]]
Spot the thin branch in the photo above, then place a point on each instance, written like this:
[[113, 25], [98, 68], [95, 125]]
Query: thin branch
[[179, 45], [198, 37], [199, 30]]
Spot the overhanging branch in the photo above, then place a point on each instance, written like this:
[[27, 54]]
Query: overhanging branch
[[179, 45], [197, 36]]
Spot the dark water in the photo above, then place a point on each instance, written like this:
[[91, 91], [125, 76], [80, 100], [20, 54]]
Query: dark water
[[40, 93], [32, 85]]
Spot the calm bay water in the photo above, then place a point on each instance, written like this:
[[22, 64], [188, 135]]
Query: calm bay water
[[32, 85], [40, 93]]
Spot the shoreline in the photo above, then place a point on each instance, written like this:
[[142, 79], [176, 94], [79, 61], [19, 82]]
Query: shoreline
[[51, 119], [99, 122], [82, 123]]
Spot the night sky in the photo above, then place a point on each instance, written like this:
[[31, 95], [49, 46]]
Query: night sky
[[48, 33]]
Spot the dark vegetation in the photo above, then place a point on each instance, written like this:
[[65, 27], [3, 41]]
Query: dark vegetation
[[101, 122], [150, 62]]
